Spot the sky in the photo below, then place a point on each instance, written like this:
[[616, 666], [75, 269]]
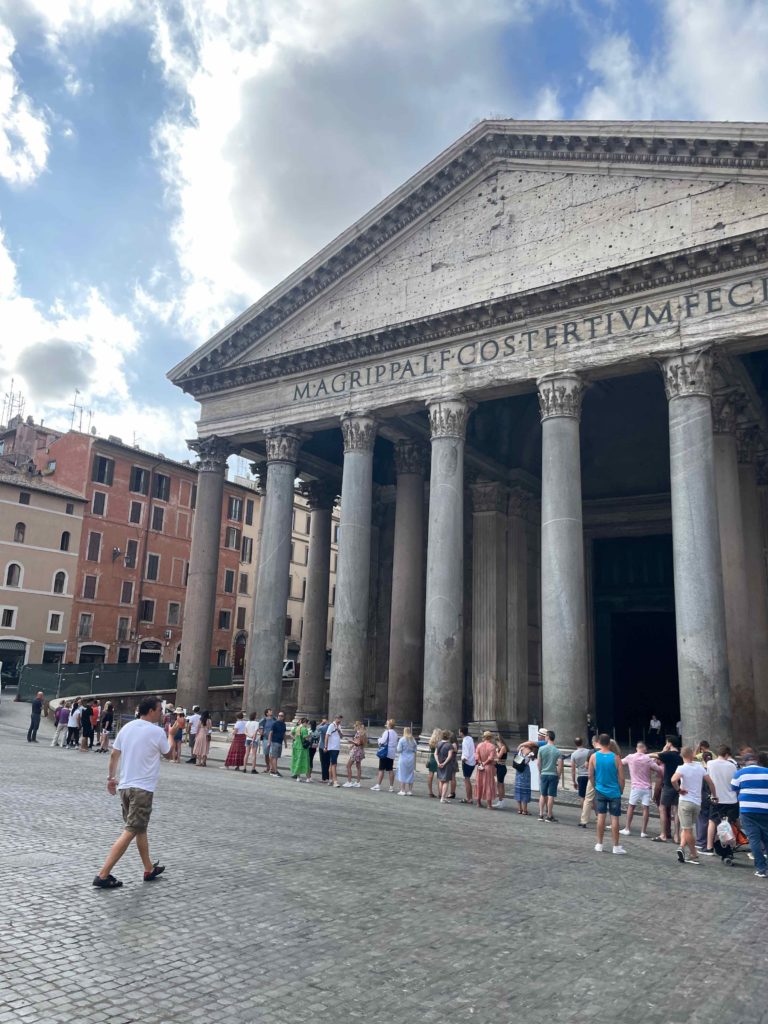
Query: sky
[[163, 163]]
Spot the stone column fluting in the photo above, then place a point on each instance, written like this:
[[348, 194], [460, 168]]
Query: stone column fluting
[[443, 613], [406, 634], [732, 554], [489, 604], [761, 681], [264, 677], [564, 656], [200, 601], [353, 569], [515, 705], [702, 659], [755, 579], [314, 638]]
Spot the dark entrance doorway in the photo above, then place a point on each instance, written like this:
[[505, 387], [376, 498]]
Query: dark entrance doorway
[[635, 643]]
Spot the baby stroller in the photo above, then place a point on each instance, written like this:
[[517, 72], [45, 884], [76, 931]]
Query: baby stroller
[[728, 839]]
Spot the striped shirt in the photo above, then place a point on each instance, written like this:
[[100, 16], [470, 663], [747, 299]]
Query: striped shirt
[[751, 783]]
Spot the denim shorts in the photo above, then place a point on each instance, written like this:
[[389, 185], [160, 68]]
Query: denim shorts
[[608, 805], [467, 769], [548, 785]]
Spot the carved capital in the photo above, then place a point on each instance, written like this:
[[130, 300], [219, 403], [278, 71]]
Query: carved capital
[[687, 373], [747, 437], [212, 453], [520, 501], [410, 458], [560, 394], [448, 417], [283, 445], [319, 494], [359, 431], [488, 496], [724, 413]]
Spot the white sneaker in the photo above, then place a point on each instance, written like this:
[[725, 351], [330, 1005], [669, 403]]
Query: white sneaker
[[624, 832], [355, 785], [598, 847], [619, 849], [400, 792], [391, 789], [409, 793], [348, 785], [645, 835], [336, 785], [376, 788]]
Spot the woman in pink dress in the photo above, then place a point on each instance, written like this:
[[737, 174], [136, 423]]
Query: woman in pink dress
[[485, 780], [202, 740]]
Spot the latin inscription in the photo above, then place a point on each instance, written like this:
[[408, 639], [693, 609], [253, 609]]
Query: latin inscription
[[584, 330]]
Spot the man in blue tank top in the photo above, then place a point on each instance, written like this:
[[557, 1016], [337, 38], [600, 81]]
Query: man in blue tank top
[[606, 772]]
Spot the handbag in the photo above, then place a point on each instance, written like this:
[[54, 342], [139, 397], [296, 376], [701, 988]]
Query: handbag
[[519, 762], [306, 742], [383, 750]]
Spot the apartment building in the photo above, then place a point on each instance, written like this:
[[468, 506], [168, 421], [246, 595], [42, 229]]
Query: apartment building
[[40, 531]]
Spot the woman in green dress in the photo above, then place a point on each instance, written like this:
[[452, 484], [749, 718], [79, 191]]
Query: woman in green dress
[[300, 751]]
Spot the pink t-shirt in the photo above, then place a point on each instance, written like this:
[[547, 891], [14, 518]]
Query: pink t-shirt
[[640, 768]]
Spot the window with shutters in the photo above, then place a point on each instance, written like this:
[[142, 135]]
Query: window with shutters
[[126, 592], [89, 587], [94, 547], [103, 470], [153, 567], [139, 480], [99, 503], [134, 516], [131, 554]]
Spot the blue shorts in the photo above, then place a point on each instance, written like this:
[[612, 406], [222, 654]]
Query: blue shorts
[[333, 756], [548, 785], [608, 805]]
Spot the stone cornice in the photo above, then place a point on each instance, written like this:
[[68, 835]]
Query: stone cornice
[[670, 269]]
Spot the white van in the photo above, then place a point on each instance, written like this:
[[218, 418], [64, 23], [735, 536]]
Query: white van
[[289, 669]]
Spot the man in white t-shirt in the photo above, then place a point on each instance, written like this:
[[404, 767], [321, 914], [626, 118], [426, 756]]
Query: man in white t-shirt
[[333, 736], [468, 760], [721, 770], [193, 724], [138, 748], [688, 780]]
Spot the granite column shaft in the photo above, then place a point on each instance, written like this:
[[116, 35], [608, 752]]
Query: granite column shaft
[[754, 584], [314, 637]]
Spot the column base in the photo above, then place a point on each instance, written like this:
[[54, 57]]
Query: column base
[[512, 732]]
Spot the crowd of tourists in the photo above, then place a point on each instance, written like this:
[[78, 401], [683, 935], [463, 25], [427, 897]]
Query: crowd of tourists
[[710, 803]]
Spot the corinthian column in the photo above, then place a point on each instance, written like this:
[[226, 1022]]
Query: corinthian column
[[761, 679], [515, 709], [200, 602], [732, 553], [755, 589], [353, 569], [406, 636], [489, 604], [320, 498], [267, 643], [702, 661], [444, 621], [565, 686]]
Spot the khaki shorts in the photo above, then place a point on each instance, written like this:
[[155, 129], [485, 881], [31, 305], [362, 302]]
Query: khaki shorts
[[687, 813], [137, 807]]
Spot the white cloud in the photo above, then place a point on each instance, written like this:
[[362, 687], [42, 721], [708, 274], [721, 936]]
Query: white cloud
[[23, 129], [709, 63]]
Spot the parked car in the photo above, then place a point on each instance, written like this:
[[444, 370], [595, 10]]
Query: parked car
[[289, 669]]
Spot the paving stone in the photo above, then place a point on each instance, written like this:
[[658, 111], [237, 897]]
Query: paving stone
[[308, 904]]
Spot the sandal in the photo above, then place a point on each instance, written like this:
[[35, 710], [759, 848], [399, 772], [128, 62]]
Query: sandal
[[110, 882], [659, 839], [157, 869]]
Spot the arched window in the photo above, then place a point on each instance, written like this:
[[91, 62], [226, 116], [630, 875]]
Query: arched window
[[60, 582], [13, 575], [64, 546], [18, 533]]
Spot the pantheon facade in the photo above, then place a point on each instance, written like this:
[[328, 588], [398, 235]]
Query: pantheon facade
[[535, 378]]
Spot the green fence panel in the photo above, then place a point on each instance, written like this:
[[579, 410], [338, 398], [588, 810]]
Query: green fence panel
[[83, 680]]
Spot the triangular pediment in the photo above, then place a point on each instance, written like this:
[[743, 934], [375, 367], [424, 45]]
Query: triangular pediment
[[507, 211]]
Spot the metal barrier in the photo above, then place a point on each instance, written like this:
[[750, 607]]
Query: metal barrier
[[82, 680]]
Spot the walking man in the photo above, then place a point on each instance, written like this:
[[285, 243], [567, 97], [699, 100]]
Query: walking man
[[138, 748], [751, 785], [641, 766], [550, 772], [34, 721], [607, 774], [688, 780], [467, 762], [333, 736]]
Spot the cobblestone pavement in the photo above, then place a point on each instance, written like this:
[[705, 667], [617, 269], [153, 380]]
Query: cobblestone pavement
[[285, 902]]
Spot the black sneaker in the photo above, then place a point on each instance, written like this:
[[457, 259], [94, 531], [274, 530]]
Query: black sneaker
[[582, 825], [110, 882], [157, 870], [254, 772], [681, 856]]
